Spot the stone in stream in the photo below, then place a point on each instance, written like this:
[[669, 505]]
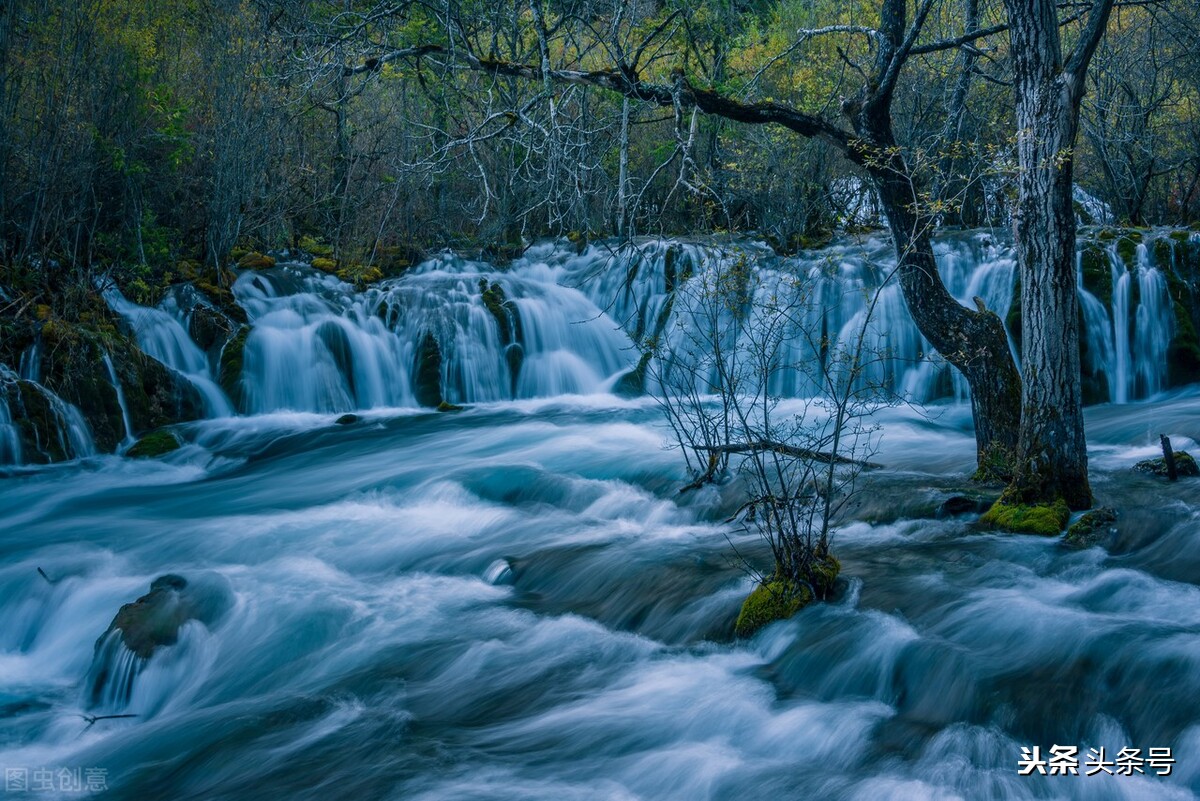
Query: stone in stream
[[152, 622], [1184, 463], [346, 419], [1091, 529]]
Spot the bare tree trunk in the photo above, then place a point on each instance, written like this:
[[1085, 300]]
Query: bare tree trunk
[[1052, 452]]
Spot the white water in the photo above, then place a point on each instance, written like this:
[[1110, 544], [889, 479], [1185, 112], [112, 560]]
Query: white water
[[162, 336], [574, 324], [128, 439], [514, 603]]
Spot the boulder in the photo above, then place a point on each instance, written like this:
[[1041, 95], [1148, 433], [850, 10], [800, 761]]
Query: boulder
[[1185, 465]]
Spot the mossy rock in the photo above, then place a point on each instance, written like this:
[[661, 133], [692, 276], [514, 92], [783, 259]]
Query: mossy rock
[[428, 371], [1048, 519], [154, 445], [770, 601], [779, 597], [579, 239], [1097, 273], [316, 247], [360, 274], [325, 265], [229, 374], [1090, 529], [256, 261], [1127, 248], [1185, 465], [447, 406]]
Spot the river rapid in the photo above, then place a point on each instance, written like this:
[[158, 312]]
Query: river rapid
[[513, 601]]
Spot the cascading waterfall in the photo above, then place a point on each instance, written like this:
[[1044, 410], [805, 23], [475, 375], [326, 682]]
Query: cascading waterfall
[[161, 335], [559, 321], [10, 440], [636, 284], [1131, 345]]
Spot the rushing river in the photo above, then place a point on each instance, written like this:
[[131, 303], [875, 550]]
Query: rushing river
[[514, 601], [511, 602]]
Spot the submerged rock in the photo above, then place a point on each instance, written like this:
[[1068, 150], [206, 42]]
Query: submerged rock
[[1090, 529], [153, 445], [1185, 465], [964, 505], [346, 419]]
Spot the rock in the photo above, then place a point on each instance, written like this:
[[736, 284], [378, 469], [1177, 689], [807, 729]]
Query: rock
[[346, 419], [778, 597], [153, 445], [1046, 519], [771, 600], [1185, 465], [325, 265], [428, 384], [963, 505], [1090, 529], [229, 373], [447, 406], [152, 622], [255, 261]]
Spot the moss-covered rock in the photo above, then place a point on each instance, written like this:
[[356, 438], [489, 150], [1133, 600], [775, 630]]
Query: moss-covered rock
[[153, 445], [315, 247], [779, 597], [1185, 465], [1091, 528], [428, 372], [255, 261], [771, 600], [1097, 273], [447, 406], [229, 374], [325, 265], [1044, 519]]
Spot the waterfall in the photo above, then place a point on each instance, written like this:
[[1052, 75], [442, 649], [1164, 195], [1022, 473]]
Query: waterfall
[[125, 420], [162, 336], [10, 439], [1141, 328]]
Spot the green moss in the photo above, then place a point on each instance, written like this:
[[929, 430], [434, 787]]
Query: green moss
[[316, 247], [255, 261], [1097, 273], [325, 265], [153, 445], [1162, 252], [1185, 465], [1045, 519], [229, 375], [772, 600], [1127, 248], [446, 406], [779, 597], [1090, 529]]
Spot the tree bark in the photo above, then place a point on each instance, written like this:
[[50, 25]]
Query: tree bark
[[1051, 458]]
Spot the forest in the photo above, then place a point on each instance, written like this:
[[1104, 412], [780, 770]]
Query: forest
[[600, 398]]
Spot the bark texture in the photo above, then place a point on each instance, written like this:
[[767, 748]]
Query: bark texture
[[1051, 458]]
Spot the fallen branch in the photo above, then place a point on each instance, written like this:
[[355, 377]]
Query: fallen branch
[[761, 445]]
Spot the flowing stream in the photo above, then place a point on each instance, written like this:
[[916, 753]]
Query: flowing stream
[[513, 601]]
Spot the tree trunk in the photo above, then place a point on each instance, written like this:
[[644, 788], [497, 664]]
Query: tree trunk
[[975, 342], [1051, 458]]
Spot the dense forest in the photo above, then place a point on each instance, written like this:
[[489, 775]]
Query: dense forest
[[630, 399], [153, 142]]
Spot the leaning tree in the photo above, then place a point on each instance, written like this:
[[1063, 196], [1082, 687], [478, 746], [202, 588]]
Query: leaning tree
[[1028, 431]]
